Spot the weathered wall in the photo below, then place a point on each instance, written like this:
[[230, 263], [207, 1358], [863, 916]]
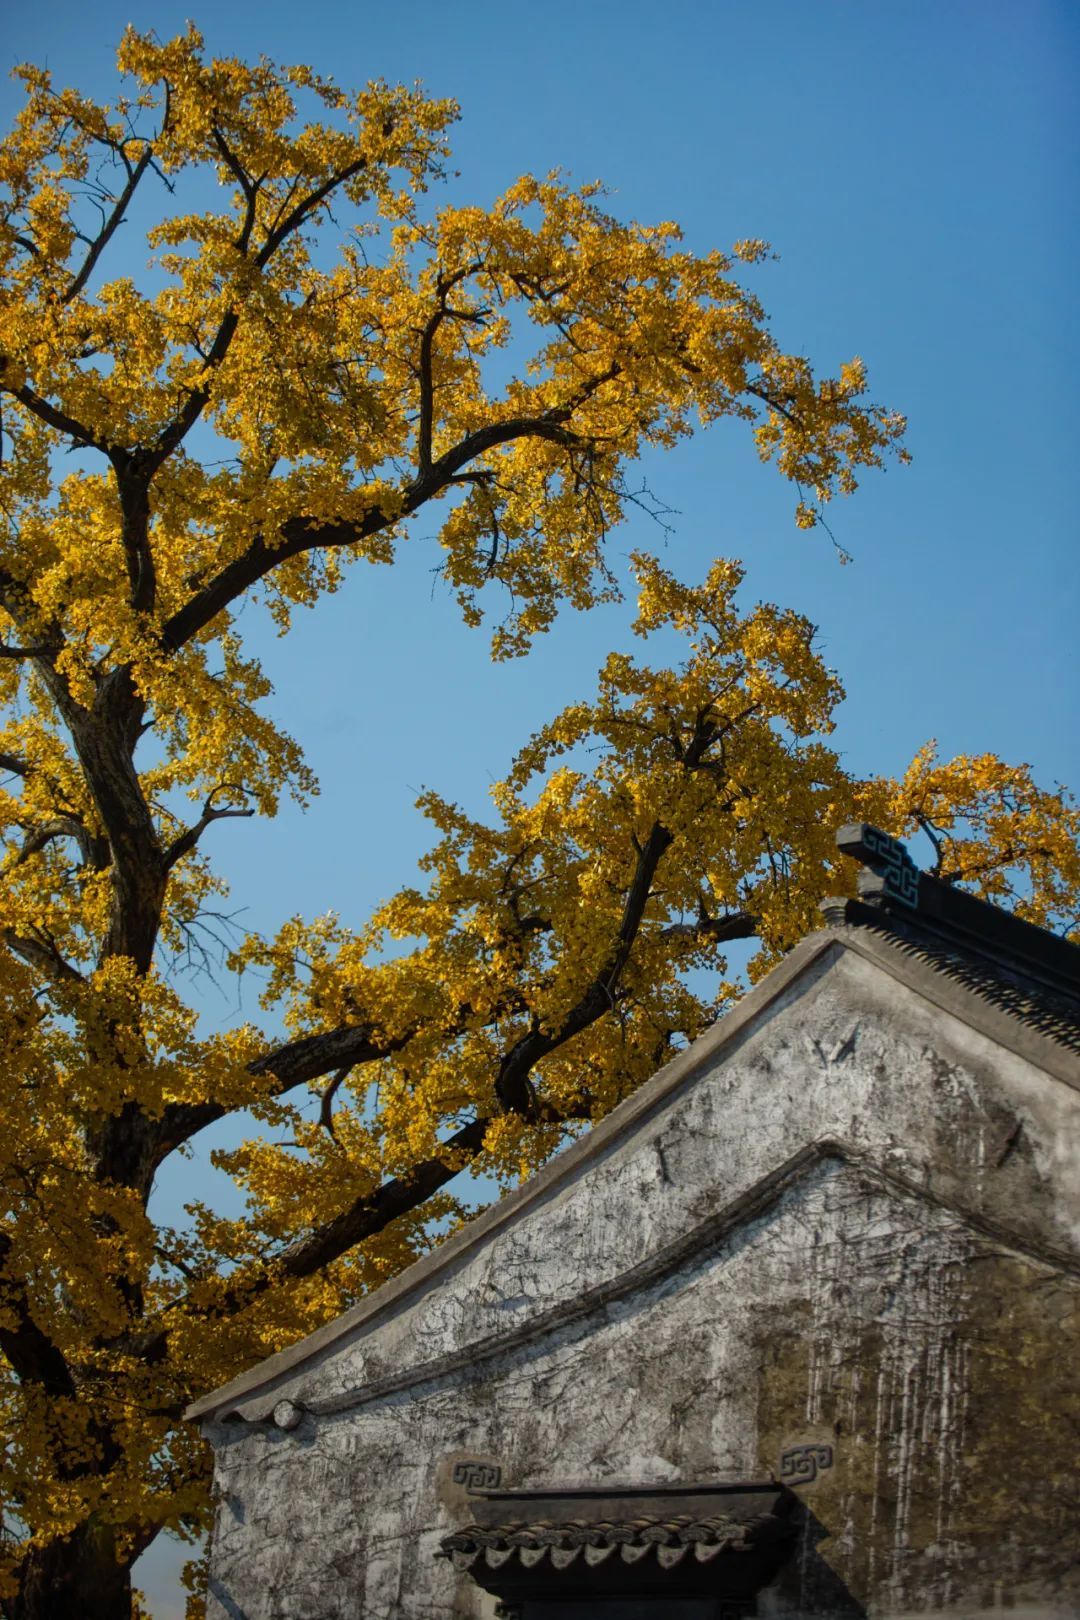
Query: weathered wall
[[708, 1292]]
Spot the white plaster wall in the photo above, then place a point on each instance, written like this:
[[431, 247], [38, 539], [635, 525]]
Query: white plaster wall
[[662, 1378]]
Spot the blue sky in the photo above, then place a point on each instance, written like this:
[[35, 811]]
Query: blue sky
[[915, 168]]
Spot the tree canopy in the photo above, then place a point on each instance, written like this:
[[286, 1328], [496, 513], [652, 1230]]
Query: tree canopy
[[315, 354]]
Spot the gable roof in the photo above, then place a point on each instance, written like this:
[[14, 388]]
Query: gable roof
[[1018, 997]]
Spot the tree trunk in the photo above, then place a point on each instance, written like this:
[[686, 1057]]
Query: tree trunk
[[79, 1576]]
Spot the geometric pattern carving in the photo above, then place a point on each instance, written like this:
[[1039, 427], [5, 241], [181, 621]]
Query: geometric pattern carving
[[891, 859], [800, 1465], [884, 855], [477, 1476]]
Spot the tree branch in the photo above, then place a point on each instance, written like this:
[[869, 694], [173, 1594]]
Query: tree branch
[[30, 1353], [40, 837], [512, 1084], [308, 1058], [105, 737], [41, 952], [326, 1101], [718, 930], [248, 186], [443, 287], [304, 209], [20, 609], [40, 651], [185, 843], [134, 471], [374, 1212], [366, 1217], [101, 241], [312, 1056], [773, 403], [300, 534], [293, 1064], [335, 1052], [54, 418], [172, 436]]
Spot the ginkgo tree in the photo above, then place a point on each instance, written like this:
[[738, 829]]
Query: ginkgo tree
[[311, 359]]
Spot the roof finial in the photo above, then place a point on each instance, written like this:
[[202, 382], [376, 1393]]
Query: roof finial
[[893, 874]]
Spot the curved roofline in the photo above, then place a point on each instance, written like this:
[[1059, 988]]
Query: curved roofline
[[951, 996]]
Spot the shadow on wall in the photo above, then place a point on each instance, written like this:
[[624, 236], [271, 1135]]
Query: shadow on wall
[[807, 1584], [229, 1605]]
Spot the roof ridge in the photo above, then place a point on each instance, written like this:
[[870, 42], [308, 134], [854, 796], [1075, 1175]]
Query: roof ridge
[[902, 896]]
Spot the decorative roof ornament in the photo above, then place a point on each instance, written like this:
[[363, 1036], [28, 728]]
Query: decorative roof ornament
[[892, 873], [1027, 971]]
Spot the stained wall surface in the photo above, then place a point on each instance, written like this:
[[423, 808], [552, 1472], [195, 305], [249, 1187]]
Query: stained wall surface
[[856, 1224]]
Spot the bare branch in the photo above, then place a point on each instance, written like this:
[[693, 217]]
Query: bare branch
[[717, 930], [114, 219], [443, 287], [185, 843], [41, 837], [326, 1102]]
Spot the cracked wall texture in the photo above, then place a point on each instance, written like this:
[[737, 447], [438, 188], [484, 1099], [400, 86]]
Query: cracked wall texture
[[861, 1226]]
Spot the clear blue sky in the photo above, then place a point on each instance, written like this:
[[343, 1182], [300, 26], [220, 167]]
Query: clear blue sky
[[916, 169]]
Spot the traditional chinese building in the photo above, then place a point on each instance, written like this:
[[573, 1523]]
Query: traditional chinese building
[[794, 1332]]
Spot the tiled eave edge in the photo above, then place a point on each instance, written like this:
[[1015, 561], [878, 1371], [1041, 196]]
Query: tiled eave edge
[[952, 997]]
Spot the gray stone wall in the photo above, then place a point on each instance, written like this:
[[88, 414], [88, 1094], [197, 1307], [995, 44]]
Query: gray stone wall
[[861, 1226]]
